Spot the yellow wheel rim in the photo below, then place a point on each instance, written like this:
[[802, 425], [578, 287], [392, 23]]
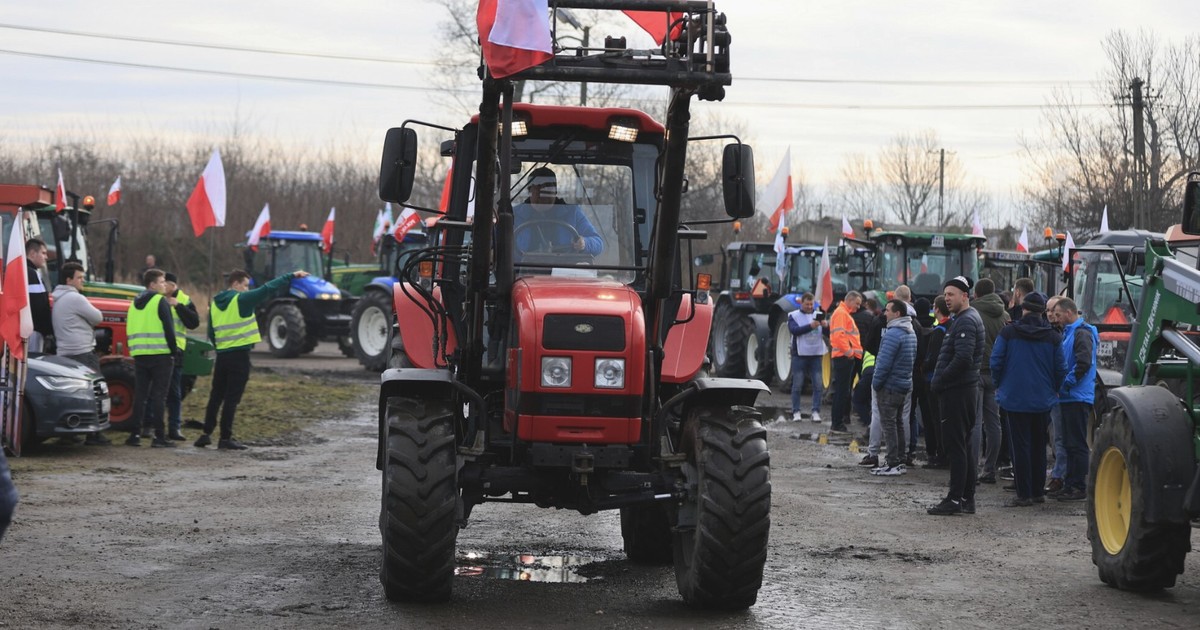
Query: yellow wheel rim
[[826, 370], [1112, 500]]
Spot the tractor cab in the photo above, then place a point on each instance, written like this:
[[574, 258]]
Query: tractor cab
[[1004, 267], [1106, 281], [924, 261]]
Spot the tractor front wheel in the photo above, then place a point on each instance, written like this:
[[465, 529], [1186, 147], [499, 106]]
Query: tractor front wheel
[[371, 330], [286, 330], [783, 353], [121, 379]]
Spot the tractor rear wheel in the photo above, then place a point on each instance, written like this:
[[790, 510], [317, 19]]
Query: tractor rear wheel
[[371, 330], [286, 331], [419, 513], [731, 333], [721, 527], [1129, 552], [783, 353], [121, 380], [646, 533], [346, 346], [758, 357]]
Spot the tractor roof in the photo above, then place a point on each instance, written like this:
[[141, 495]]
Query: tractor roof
[[948, 237], [1123, 238], [598, 118], [294, 236]]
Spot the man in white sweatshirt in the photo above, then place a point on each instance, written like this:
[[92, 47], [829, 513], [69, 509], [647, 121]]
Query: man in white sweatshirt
[[74, 319]]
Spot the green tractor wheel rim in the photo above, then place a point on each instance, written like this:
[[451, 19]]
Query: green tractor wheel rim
[[1113, 500]]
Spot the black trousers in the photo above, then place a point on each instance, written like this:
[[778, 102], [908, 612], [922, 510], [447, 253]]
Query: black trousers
[[957, 414], [843, 373], [931, 423], [230, 373], [153, 375], [1028, 433]]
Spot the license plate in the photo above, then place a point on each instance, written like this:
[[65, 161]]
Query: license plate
[[106, 405], [1106, 348]]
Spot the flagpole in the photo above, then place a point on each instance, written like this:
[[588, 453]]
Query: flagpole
[[212, 247]]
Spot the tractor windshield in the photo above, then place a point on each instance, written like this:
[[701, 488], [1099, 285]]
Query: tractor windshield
[[293, 256], [59, 252], [922, 267], [802, 271], [396, 255], [1098, 285], [757, 264]]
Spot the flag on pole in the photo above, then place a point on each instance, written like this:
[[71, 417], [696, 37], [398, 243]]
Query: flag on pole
[[656, 23], [515, 34], [114, 192], [327, 232], [847, 229], [1067, 247], [206, 206], [776, 198], [16, 320], [262, 227], [976, 225], [780, 259], [405, 222], [382, 222], [1023, 242], [60, 194], [1104, 220], [825, 279]]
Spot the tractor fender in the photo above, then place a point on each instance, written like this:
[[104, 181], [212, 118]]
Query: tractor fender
[[416, 323], [762, 330], [683, 351], [1162, 430], [412, 383], [786, 303], [1110, 378], [716, 391], [382, 283]]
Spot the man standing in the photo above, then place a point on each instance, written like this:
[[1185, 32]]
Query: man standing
[[151, 330], [846, 349], [933, 425], [74, 320], [185, 317], [987, 418], [39, 295], [1076, 396], [1059, 470], [1028, 367], [233, 329], [956, 381], [1021, 288], [893, 383], [808, 347]]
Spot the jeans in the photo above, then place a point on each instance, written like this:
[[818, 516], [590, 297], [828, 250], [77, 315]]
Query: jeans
[[1060, 449], [875, 434], [810, 367], [150, 391], [987, 423], [1074, 424], [843, 373], [175, 399], [892, 417], [8, 495], [1027, 432], [230, 373], [957, 407]]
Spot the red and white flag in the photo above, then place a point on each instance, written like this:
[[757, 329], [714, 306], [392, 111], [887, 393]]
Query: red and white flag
[[60, 194], [1023, 242], [405, 222], [327, 232], [1104, 220], [383, 221], [776, 198], [825, 279], [847, 230], [114, 192], [262, 227], [1067, 247], [656, 23], [16, 320], [206, 206], [515, 34], [976, 226]]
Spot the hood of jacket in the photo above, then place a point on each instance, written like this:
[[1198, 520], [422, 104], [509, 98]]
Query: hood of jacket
[[62, 291], [903, 322], [142, 300], [1033, 327], [990, 305]]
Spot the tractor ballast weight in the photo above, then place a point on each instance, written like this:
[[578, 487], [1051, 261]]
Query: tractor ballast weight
[[564, 372]]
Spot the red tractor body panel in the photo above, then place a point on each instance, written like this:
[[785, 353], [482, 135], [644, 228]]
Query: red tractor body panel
[[686, 344], [597, 118], [416, 328]]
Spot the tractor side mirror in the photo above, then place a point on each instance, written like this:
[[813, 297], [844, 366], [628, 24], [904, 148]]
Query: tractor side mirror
[[1191, 205], [737, 180], [62, 228], [398, 168]]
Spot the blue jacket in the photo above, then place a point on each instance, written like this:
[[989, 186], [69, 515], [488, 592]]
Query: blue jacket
[[897, 353], [1028, 365], [531, 239], [1079, 344]]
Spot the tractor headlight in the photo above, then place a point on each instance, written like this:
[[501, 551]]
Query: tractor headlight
[[610, 373], [64, 383], [556, 372]]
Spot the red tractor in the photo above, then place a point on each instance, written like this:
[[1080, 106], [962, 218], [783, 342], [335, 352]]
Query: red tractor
[[557, 358]]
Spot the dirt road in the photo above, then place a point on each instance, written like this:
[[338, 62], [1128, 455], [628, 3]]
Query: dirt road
[[285, 536]]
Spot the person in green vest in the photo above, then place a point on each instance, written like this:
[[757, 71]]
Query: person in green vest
[[233, 329], [151, 335], [185, 317]]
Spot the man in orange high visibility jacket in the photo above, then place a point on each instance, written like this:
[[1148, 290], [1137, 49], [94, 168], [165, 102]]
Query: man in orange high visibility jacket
[[846, 350]]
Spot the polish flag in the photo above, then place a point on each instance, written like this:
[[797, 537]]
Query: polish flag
[[405, 222], [114, 192], [327, 232], [16, 320], [976, 226], [1067, 247], [515, 34], [656, 23], [1104, 220], [262, 227], [780, 259], [1023, 242], [825, 279], [206, 206], [383, 221], [847, 231], [776, 198], [60, 194]]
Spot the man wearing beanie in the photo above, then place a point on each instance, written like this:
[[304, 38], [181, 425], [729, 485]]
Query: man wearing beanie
[[956, 383]]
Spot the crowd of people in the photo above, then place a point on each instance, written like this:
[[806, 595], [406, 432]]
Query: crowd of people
[[986, 378]]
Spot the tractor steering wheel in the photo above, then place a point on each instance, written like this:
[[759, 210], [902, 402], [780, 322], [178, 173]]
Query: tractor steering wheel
[[553, 249]]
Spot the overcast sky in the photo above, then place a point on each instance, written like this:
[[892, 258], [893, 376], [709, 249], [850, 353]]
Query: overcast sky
[[1027, 49]]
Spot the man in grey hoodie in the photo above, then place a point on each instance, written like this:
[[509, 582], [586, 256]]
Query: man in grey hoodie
[[74, 319], [994, 314]]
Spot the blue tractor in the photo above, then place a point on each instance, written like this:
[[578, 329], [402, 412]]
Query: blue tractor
[[372, 331]]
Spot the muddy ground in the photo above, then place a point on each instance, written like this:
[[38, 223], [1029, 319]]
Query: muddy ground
[[284, 536]]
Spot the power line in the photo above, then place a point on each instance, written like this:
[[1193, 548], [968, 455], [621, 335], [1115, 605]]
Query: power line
[[931, 107], [921, 82]]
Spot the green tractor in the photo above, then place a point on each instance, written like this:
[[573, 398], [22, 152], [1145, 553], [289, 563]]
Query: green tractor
[[922, 260], [741, 330]]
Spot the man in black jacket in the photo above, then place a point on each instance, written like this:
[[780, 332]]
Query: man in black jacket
[[933, 425], [956, 382], [39, 295]]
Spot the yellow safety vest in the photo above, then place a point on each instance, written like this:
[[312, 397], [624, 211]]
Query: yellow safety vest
[[180, 340], [868, 360], [230, 329], [144, 329]]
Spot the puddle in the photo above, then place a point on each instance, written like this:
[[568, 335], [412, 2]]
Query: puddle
[[525, 567]]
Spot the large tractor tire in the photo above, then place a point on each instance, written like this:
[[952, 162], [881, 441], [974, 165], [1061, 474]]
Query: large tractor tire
[[759, 363], [286, 331], [1129, 552], [646, 533], [122, 379], [731, 333], [782, 342], [346, 346], [310, 344], [371, 330], [721, 527], [418, 519]]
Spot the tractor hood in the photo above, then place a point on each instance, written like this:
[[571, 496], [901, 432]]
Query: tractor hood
[[314, 288], [546, 295]]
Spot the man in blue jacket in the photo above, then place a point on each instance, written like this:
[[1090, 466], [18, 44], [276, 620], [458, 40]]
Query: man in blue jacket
[[893, 382], [547, 217], [1076, 396], [1028, 367]]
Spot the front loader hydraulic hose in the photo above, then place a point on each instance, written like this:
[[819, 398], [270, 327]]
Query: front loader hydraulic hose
[[436, 311]]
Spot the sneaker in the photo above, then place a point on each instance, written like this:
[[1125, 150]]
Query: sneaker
[[1054, 487], [133, 440], [193, 424], [96, 439], [177, 436], [796, 416], [1006, 473], [1072, 495], [910, 461], [947, 507], [968, 506], [988, 478], [841, 429], [161, 443], [816, 416], [870, 460], [147, 433], [202, 441], [1017, 502], [889, 471], [231, 445]]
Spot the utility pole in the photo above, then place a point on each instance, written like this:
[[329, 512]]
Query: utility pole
[[1139, 155], [941, 187]]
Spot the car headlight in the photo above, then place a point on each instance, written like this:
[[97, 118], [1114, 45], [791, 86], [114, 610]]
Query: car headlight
[[610, 373], [556, 372], [64, 383]]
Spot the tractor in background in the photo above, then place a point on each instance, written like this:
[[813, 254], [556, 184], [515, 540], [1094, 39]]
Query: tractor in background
[[741, 330]]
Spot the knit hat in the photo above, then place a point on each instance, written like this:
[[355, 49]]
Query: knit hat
[[959, 282], [1034, 303], [170, 277]]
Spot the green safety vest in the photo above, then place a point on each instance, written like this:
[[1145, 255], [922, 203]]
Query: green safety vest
[[230, 329], [868, 360], [144, 330], [180, 340]]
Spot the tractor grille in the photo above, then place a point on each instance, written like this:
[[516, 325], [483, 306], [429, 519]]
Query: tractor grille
[[580, 405], [583, 332]]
